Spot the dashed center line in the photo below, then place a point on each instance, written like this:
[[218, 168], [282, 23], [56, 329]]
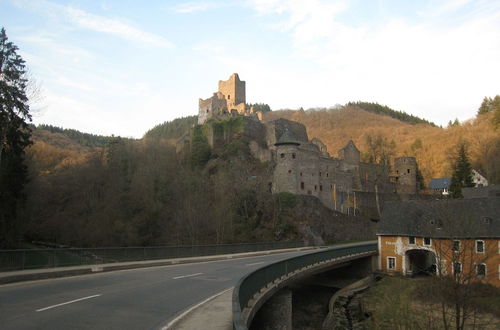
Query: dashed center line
[[184, 276], [255, 263], [66, 303]]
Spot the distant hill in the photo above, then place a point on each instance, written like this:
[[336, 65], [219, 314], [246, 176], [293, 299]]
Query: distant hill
[[385, 110], [85, 139], [431, 145], [171, 129], [51, 151]]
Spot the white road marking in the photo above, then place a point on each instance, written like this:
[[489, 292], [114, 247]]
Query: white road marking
[[66, 303], [184, 276], [255, 263], [189, 310]]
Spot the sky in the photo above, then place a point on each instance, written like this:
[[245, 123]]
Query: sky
[[121, 67]]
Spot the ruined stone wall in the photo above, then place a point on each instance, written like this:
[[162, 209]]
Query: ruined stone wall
[[285, 175], [406, 169], [321, 146], [330, 225], [234, 90], [371, 174]]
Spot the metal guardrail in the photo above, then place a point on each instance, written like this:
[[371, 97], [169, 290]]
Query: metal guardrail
[[252, 283], [11, 260]]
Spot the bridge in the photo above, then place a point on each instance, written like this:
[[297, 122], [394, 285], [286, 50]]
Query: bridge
[[155, 296]]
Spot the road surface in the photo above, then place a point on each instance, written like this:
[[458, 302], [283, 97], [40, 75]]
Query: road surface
[[146, 298]]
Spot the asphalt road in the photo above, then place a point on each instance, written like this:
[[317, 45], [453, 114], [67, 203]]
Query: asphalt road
[[146, 298]]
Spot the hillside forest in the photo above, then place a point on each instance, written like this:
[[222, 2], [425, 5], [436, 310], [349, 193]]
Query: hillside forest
[[87, 190]]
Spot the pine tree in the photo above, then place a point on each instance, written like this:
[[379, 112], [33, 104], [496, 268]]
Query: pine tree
[[485, 106], [462, 171], [14, 137]]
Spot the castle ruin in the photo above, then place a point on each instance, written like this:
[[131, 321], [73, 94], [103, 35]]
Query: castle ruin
[[228, 101], [302, 166]]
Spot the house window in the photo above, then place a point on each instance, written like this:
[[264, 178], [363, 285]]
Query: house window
[[300, 173], [207, 110], [229, 97], [481, 270], [457, 268], [302, 185], [327, 175], [282, 155], [411, 240], [319, 173], [479, 246], [408, 171], [320, 188], [427, 241], [391, 263], [289, 171], [456, 246], [293, 156], [315, 187]]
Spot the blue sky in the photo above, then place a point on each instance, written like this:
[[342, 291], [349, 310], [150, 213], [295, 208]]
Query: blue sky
[[121, 67]]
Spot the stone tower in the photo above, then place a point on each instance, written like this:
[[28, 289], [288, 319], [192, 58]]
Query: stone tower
[[285, 172], [234, 91], [228, 101], [405, 169]]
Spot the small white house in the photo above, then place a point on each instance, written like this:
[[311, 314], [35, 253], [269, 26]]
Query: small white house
[[478, 179]]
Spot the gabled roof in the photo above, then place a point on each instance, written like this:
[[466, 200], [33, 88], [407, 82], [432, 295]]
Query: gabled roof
[[350, 145], [440, 183], [448, 218]]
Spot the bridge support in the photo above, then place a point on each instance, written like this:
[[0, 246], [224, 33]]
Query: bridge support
[[276, 313]]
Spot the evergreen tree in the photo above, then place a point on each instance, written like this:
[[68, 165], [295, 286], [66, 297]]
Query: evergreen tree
[[200, 149], [485, 106], [462, 171], [14, 137]]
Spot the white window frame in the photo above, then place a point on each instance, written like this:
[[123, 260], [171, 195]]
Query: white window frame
[[430, 241], [459, 245], [389, 264], [414, 240], [484, 247], [485, 270]]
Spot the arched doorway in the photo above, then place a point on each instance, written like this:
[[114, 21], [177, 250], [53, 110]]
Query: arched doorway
[[420, 262]]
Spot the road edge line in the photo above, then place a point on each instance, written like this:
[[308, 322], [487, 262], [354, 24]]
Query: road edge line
[[192, 308]]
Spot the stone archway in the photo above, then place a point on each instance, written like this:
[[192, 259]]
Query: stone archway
[[420, 261]]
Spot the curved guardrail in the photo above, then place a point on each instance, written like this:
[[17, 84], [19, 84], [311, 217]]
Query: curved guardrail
[[252, 284]]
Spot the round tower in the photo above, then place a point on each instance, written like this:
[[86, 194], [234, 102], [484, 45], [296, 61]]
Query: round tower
[[406, 173], [286, 176]]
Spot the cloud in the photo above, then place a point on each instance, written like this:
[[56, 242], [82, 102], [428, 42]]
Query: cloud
[[93, 22], [194, 6], [418, 63]]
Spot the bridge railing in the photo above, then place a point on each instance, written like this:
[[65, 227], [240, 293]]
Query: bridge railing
[[251, 284], [11, 260]]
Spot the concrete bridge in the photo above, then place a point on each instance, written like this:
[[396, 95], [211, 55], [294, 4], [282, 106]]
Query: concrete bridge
[[173, 294]]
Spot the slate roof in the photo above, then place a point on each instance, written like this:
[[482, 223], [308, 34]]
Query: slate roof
[[440, 183], [449, 218], [287, 138], [481, 192]]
